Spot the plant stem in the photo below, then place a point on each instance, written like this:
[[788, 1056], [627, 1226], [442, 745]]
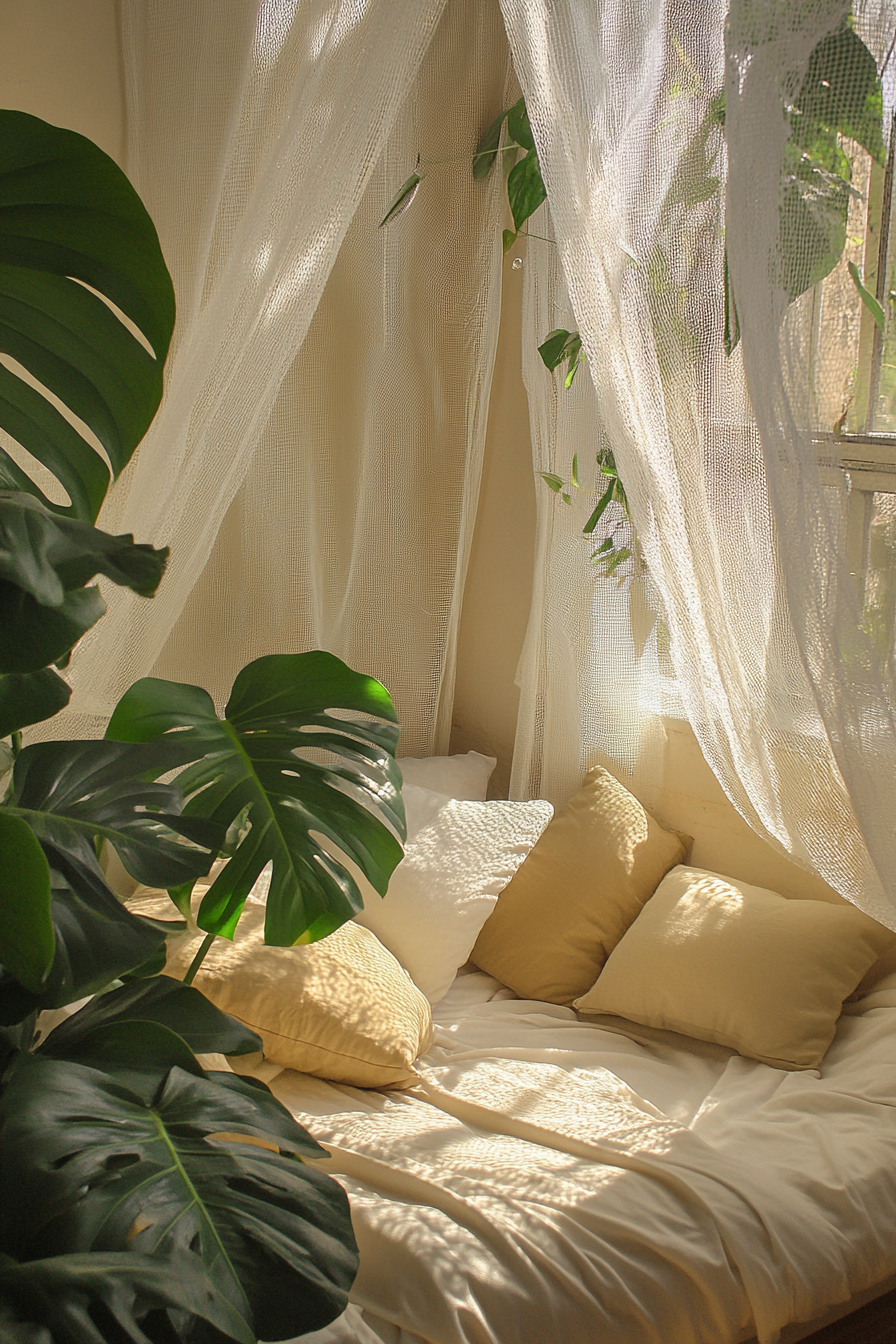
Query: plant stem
[[199, 958], [467, 158]]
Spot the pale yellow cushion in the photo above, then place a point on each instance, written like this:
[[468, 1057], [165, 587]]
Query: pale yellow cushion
[[574, 896], [342, 1008], [722, 961]]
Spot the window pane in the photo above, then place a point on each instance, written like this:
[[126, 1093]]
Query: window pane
[[884, 403], [838, 315], [880, 576]]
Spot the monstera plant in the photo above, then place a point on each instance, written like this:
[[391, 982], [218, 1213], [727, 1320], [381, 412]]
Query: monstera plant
[[145, 1198]]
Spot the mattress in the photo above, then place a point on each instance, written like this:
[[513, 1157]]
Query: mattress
[[553, 1179]]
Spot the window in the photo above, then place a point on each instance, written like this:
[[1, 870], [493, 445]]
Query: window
[[854, 360]]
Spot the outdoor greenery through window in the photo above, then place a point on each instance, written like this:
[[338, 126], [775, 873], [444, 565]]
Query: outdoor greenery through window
[[854, 360]]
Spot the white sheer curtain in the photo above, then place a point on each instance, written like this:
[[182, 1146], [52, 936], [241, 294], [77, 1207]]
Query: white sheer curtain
[[353, 527], [324, 501], [739, 532], [585, 692]]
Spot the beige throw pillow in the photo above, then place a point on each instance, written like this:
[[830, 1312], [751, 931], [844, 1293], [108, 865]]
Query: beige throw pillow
[[722, 961], [574, 896], [341, 1009]]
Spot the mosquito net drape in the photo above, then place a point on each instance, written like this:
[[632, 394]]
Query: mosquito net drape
[[585, 691], [314, 492], [739, 514], [315, 464]]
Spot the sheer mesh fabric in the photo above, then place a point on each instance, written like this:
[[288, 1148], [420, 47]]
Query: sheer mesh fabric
[[352, 529], [738, 523], [335, 493], [585, 693], [322, 494]]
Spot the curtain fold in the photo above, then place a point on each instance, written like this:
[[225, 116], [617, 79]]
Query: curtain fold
[[352, 530], [585, 693], [254, 131], [737, 517]]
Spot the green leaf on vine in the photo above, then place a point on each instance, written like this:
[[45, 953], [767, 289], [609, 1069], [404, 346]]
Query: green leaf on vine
[[732, 324], [576, 357], [518, 127], [599, 510], [487, 149], [553, 348], [867, 298], [403, 200], [842, 92], [525, 188]]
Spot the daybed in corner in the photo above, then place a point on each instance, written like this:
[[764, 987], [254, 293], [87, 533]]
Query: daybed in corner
[[656, 1106]]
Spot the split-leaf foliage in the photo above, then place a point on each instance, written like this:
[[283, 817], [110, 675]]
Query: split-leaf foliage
[[145, 1197]]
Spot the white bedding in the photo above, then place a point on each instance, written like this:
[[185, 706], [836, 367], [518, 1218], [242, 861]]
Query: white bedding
[[551, 1180]]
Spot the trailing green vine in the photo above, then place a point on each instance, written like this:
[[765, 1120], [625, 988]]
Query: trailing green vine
[[839, 98]]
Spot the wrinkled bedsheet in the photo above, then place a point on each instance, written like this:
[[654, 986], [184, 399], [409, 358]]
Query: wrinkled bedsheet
[[553, 1180]]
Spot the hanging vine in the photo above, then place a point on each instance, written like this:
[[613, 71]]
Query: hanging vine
[[839, 98]]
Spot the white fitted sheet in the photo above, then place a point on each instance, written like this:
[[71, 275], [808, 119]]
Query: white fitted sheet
[[550, 1179]]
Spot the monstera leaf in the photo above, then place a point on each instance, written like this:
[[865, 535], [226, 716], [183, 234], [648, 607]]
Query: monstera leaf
[[27, 944], [252, 765], [158, 1156], [68, 796], [75, 239], [30, 697], [96, 940], [73, 794], [180, 1008], [71, 1297], [46, 563]]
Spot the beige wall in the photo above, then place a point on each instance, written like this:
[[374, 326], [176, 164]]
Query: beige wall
[[61, 62], [692, 800]]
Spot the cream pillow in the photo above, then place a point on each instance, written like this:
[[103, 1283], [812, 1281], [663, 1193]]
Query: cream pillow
[[447, 883], [572, 900], [465, 775], [341, 1009], [722, 961], [421, 807]]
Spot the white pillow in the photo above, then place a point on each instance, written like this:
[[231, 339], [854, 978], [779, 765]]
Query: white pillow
[[446, 885], [462, 776], [421, 807]]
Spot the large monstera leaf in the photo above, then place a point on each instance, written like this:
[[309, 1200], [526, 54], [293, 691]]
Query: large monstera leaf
[[95, 940], [252, 767], [46, 564], [68, 796], [75, 238], [160, 1157], [30, 697], [70, 1299], [179, 1007], [86, 316], [74, 793]]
